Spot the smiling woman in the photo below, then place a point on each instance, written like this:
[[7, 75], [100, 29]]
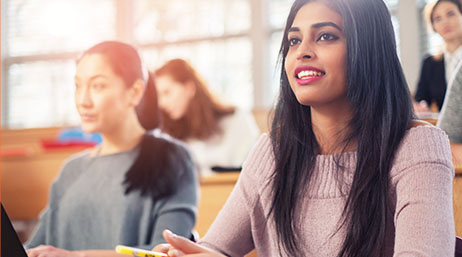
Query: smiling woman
[[346, 170], [133, 185], [315, 61]]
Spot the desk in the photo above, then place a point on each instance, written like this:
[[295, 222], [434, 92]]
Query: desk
[[215, 189], [26, 181], [430, 117]]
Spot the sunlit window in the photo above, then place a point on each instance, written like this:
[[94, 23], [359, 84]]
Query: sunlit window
[[160, 20], [41, 93], [211, 34], [224, 64], [40, 42], [42, 38], [54, 26], [279, 10]]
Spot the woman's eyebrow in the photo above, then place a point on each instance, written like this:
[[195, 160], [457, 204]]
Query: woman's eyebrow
[[324, 24], [294, 29], [318, 25], [97, 76]]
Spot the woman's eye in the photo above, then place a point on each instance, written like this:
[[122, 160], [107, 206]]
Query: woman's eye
[[97, 86], [294, 41], [451, 13], [327, 37]]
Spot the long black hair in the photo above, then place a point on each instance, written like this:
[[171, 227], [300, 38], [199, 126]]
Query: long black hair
[[160, 161], [382, 111]]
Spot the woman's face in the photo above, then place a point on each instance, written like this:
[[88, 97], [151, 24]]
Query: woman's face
[[101, 97], [174, 97], [315, 62], [447, 21]]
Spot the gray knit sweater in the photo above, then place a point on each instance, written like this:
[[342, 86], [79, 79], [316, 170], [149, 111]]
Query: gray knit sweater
[[450, 119], [89, 210]]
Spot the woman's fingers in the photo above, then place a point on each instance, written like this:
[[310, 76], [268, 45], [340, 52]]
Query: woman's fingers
[[183, 245], [49, 251], [175, 253], [162, 248], [36, 251]]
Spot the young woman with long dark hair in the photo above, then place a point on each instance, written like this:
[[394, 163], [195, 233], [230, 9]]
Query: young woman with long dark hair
[[133, 185], [346, 171]]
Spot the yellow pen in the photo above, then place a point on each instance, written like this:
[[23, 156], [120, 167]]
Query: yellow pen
[[138, 252]]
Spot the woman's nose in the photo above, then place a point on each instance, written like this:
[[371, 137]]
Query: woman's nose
[[84, 97], [305, 52]]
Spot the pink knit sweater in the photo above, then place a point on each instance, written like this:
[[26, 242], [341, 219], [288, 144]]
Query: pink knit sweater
[[421, 223]]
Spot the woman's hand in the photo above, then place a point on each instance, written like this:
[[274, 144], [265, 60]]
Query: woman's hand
[[421, 106], [50, 251], [180, 246]]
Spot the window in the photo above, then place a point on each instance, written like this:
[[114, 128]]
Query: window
[[44, 95], [42, 38], [223, 63], [393, 7], [176, 20], [40, 41], [279, 10], [55, 26], [211, 34], [233, 44]]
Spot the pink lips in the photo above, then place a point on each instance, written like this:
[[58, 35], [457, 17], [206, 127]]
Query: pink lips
[[309, 80], [87, 117]]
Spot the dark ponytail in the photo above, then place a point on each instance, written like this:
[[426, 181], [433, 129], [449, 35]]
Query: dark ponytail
[[148, 109], [158, 167]]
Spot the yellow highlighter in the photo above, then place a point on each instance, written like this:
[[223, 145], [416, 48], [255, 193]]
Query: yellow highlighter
[[138, 252]]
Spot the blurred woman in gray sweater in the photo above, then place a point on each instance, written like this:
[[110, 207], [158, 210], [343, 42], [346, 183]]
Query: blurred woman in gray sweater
[[132, 186]]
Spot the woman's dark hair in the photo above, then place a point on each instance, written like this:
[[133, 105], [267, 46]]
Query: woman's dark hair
[[126, 63], [158, 167], [160, 162], [379, 96], [431, 6], [202, 117]]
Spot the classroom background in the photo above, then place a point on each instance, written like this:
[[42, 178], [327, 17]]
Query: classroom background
[[233, 44]]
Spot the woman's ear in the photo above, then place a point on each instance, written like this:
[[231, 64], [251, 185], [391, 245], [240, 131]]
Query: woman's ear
[[137, 92], [190, 89]]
